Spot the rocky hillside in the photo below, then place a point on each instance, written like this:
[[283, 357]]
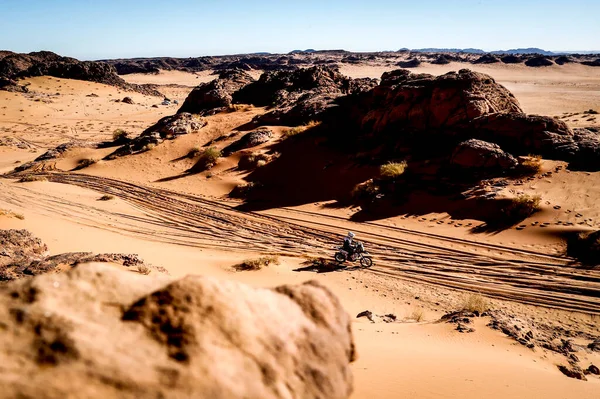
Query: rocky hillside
[[97, 331], [14, 66], [295, 59]]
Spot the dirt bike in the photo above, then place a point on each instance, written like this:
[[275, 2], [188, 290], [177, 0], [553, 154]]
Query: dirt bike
[[360, 254]]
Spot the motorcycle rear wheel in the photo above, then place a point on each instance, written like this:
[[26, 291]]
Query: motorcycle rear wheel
[[366, 262], [340, 257]]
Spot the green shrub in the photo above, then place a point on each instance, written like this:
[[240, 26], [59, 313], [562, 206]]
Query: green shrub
[[392, 170], [120, 135], [196, 151], [251, 160], [207, 159], [287, 133]]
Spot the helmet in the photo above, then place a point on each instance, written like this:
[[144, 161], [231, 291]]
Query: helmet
[[350, 234]]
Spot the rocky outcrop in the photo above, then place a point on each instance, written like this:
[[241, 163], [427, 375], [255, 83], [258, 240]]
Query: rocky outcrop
[[441, 60], [168, 128], [511, 59], [564, 60], [412, 63], [424, 102], [215, 96], [251, 139], [594, 63], [22, 255], [478, 154], [299, 96], [539, 61], [43, 162], [486, 59], [97, 331], [15, 66]]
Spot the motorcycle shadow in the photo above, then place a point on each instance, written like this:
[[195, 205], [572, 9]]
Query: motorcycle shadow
[[325, 266]]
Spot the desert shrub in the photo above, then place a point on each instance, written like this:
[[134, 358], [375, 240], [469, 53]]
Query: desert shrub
[[475, 303], [11, 214], [591, 112], [521, 207], [392, 170], [194, 152], [106, 197], [257, 264], [416, 315], [148, 147], [251, 160], [531, 165], [242, 191], [366, 191], [240, 107], [585, 247], [120, 135], [85, 162], [287, 133], [144, 269], [207, 159], [30, 178]]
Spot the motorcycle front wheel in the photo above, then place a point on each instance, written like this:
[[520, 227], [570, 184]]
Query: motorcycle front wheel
[[340, 257], [366, 262]]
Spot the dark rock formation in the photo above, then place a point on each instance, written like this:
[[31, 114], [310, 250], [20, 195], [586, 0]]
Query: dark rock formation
[[299, 96], [441, 60], [215, 96], [412, 63], [251, 139], [539, 61], [595, 63], [479, 154], [14, 66], [511, 59], [167, 128], [486, 59], [563, 59]]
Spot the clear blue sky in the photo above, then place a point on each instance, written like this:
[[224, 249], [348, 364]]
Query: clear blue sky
[[94, 29]]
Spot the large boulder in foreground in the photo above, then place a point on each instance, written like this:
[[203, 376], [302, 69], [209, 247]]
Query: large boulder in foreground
[[478, 154], [97, 332], [248, 140], [215, 96]]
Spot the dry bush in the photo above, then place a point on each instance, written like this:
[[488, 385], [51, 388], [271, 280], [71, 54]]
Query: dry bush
[[392, 170], [416, 315], [194, 152], [531, 165], [521, 207], [475, 303], [207, 159], [144, 269], [30, 178], [120, 135], [148, 147], [241, 191], [106, 197], [240, 107], [11, 214], [287, 133], [251, 160], [85, 162], [591, 112], [257, 264], [366, 191], [585, 247]]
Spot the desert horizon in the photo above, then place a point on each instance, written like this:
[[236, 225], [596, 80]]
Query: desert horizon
[[312, 224]]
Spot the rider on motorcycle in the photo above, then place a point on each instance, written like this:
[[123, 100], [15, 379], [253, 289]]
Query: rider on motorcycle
[[349, 245]]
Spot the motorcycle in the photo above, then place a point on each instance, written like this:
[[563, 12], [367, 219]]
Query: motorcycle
[[360, 254]]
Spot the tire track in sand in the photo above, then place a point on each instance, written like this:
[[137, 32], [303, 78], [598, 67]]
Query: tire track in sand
[[502, 272]]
